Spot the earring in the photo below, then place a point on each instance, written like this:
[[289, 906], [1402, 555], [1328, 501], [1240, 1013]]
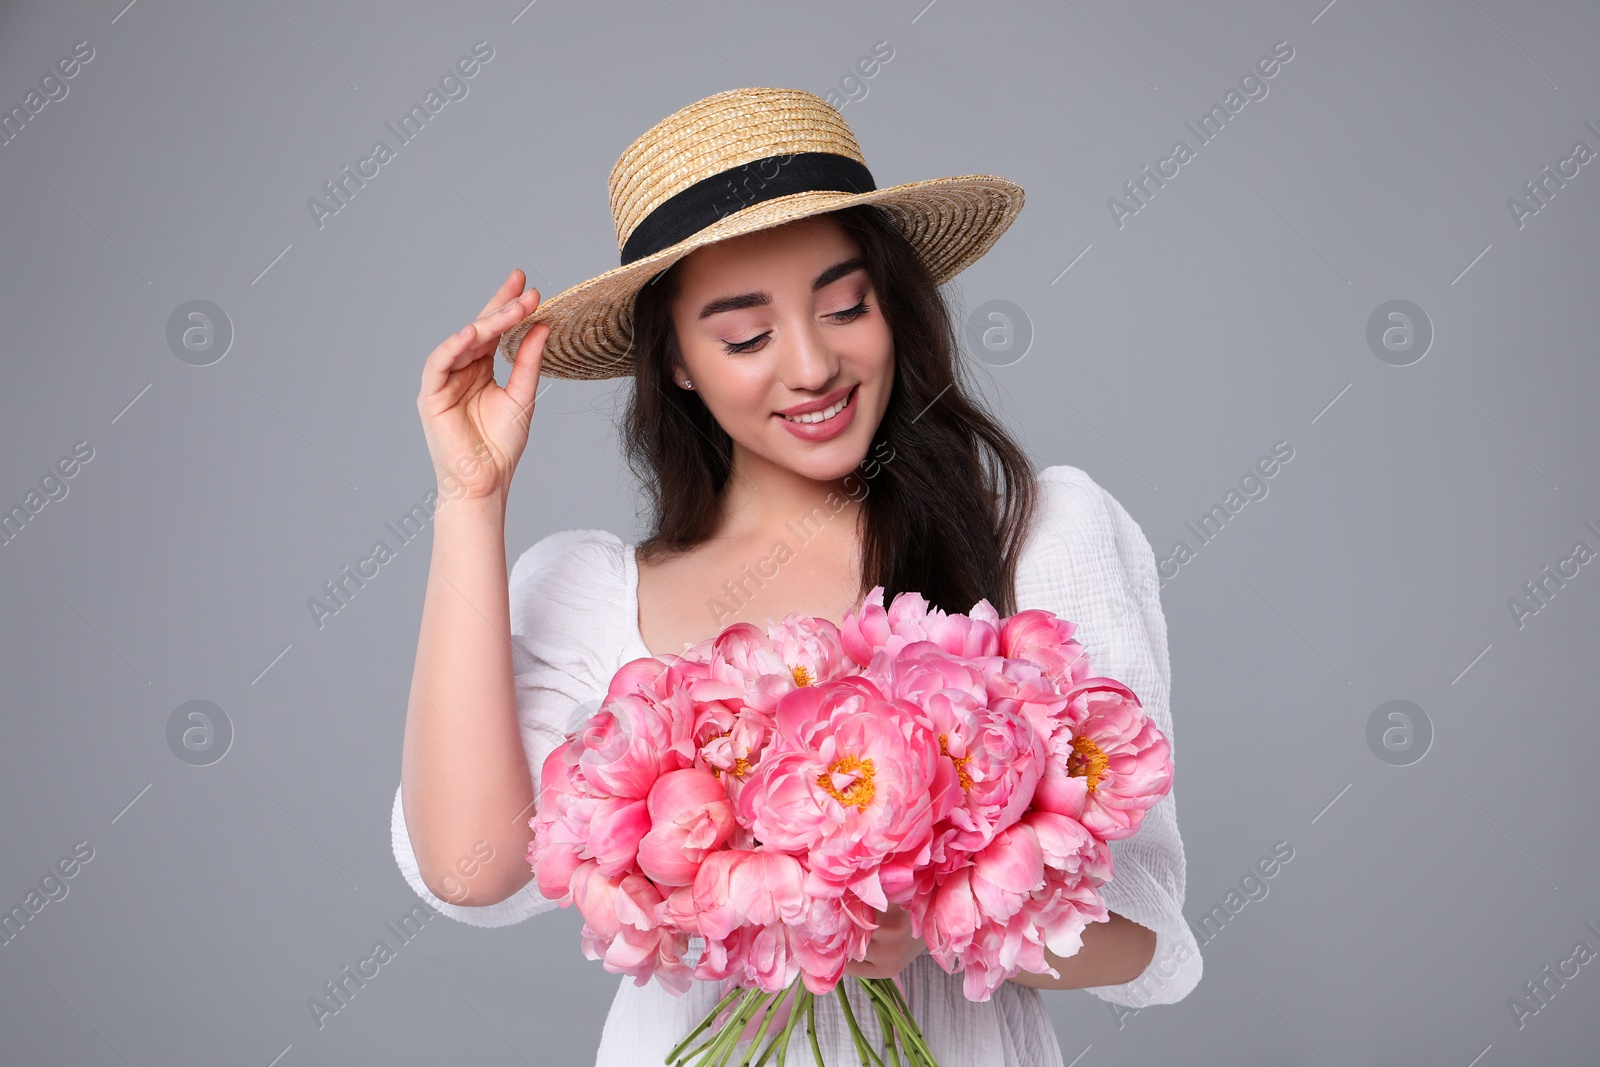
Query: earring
[[687, 384]]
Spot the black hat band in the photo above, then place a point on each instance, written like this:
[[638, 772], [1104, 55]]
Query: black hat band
[[686, 213]]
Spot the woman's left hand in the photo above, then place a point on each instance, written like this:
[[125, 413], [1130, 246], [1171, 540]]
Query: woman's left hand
[[891, 947]]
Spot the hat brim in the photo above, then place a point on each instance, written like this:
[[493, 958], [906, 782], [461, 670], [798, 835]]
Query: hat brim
[[951, 222]]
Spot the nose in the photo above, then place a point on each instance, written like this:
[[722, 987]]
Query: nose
[[807, 365]]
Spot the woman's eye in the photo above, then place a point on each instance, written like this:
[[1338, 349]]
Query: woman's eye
[[733, 347], [847, 315]]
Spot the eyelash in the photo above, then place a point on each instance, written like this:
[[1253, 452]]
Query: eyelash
[[737, 347]]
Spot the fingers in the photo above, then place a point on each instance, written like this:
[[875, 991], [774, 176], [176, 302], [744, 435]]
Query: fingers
[[491, 324], [512, 287], [454, 352], [523, 382], [477, 339]]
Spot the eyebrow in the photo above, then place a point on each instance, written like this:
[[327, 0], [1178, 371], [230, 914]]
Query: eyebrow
[[761, 297]]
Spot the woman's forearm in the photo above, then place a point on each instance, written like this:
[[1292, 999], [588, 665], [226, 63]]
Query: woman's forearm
[[1113, 952], [465, 787]]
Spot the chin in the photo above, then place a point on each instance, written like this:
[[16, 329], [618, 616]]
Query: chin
[[824, 461]]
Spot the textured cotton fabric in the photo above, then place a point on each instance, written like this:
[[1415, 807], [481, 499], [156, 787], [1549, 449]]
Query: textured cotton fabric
[[574, 622]]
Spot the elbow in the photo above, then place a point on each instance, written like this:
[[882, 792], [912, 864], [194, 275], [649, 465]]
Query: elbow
[[1140, 951], [449, 889], [478, 892], [481, 875], [1167, 976]]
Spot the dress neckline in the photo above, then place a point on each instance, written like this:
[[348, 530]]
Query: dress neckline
[[630, 580]]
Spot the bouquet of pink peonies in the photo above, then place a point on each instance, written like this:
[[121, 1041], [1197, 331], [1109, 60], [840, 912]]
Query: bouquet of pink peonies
[[769, 793]]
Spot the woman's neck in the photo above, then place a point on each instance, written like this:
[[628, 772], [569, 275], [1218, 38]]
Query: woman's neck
[[762, 496]]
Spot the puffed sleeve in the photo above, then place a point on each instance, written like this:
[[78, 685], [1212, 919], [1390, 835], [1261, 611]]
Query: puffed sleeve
[[1088, 561], [564, 602]]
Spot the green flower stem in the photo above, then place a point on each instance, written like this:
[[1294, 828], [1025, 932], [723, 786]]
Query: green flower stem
[[780, 1041], [720, 1047], [889, 1021], [803, 1000], [677, 1051], [718, 1050], [811, 1029], [862, 1044], [900, 1030], [884, 993], [735, 1029], [886, 1023], [770, 1005], [893, 992]]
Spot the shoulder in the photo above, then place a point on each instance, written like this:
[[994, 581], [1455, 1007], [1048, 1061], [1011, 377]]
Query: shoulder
[[1084, 551], [1074, 513], [1087, 561], [579, 575]]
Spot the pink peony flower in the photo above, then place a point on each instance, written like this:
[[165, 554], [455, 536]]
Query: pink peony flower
[[1023, 687], [623, 928], [866, 630], [908, 619], [923, 668], [981, 921], [1046, 640], [647, 673], [679, 909], [630, 742], [771, 791], [1006, 871], [835, 931], [947, 918], [615, 828], [848, 782], [557, 848], [998, 757], [738, 887], [810, 648], [762, 956], [763, 667], [991, 888], [1109, 763], [1063, 909], [731, 741], [1053, 917], [1069, 848], [975, 634], [689, 816]]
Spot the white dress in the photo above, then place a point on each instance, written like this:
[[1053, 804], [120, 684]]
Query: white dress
[[574, 621]]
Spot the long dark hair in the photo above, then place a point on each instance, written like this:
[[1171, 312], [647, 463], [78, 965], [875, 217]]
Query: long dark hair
[[950, 495]]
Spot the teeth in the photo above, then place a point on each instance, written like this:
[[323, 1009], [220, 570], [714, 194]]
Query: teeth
[[824, 415]]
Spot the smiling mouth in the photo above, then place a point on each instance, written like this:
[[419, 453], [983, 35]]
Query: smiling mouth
[[826, 413]]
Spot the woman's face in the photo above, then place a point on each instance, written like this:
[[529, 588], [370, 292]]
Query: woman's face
[[772, 321]]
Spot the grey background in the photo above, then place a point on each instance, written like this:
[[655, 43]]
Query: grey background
[[1228, 314]]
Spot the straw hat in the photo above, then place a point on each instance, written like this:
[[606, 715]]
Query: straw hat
[[734, 162]]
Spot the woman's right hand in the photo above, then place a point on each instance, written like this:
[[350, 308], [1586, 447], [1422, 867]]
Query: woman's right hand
[[475, 429]]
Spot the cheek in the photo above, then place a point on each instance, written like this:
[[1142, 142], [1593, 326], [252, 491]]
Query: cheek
[[872, 352], [741, 392], [883, 347]]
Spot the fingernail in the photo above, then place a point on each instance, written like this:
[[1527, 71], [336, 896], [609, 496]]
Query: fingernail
[[465, 331]]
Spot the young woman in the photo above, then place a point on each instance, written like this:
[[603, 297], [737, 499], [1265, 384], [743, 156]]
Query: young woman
[[801, 424]]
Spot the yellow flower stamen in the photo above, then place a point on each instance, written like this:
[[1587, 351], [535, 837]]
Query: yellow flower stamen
[[961, 770], [741, 766], [1087, 761], [802, 675], [859, 792]]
